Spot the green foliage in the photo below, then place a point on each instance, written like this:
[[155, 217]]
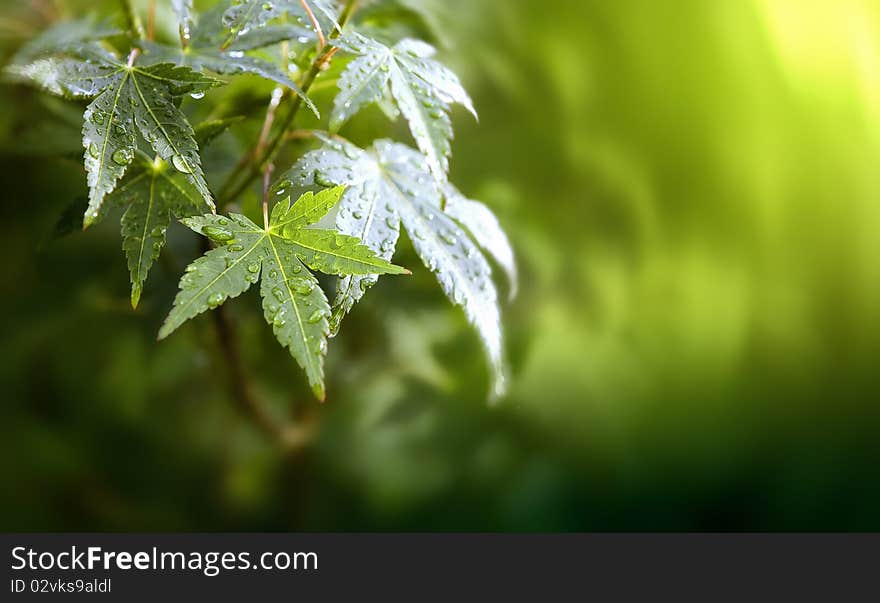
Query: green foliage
[[293, 303], [63, 36], [143, 155], [127, 100], [152, 195]]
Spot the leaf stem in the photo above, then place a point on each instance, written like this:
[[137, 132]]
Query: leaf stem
[[132, 56], [318, 64], [267, 177]]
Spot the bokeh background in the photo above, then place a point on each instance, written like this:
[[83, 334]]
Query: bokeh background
[[693, 192]]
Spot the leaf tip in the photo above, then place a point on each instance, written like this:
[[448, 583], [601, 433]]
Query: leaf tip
[[164, 332], [136, 291], [320, 392]]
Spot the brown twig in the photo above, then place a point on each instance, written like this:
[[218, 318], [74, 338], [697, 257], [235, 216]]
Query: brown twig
[[151, 20], [322, 41]]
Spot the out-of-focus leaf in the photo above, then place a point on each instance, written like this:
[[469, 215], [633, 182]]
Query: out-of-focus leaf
[[62, 36], [484, 226]]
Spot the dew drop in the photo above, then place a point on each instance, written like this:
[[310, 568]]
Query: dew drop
[[181, 164], [253, 268], [121, 157], [316, 316], [303, 286], [218, 235], [93, 151], [323, 180], [215, 299]]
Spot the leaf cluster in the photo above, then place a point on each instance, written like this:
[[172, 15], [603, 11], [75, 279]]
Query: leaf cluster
[[142, 154]]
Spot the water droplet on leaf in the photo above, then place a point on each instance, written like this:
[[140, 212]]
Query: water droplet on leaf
[[218, 235], [181, 164], [121, 157]]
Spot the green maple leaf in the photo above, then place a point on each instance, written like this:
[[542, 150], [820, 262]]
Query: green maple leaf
[[152, 193], [387, 186], [129, 100], [280, 256], [421, 87], [141, 99]]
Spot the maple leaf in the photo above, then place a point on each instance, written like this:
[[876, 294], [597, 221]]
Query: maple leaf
[[128, 100], [280, 256]]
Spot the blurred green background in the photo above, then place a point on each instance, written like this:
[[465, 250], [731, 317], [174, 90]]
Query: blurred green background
[[693, 193]]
